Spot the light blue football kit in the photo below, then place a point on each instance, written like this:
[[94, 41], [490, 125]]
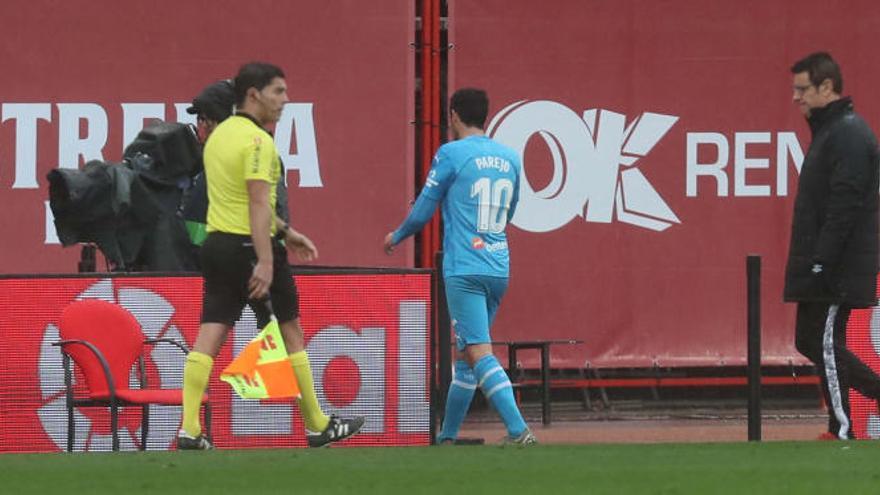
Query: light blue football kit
[[476, 183]]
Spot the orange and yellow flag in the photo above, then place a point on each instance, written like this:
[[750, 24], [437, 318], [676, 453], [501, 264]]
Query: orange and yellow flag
[[263, 370]]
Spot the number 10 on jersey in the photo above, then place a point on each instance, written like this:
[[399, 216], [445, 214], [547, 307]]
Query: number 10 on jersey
[[493, 203]]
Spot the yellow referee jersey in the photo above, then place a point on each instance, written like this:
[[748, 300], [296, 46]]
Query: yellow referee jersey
[[237, 151]]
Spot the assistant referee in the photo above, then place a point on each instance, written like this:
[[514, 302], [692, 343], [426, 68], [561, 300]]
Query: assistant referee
[[240, 261]]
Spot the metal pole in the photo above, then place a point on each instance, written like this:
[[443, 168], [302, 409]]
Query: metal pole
[[429, 118], [444, 335], [753, 277], [432, 425]]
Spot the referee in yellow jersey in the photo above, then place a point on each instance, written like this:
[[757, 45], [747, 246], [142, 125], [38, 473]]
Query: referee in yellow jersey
[[240, 261]]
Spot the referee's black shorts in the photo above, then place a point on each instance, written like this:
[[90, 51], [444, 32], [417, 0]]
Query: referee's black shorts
[[227, 264]]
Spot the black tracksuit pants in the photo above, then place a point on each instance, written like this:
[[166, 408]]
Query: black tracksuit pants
[[820, 335]]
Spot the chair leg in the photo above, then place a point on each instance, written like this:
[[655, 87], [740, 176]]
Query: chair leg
[[586, 403], [603, 394], [71, 426], [68, 400], [114, 424], [145, 425]]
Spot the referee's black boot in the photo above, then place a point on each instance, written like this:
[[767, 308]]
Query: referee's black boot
[[338, 429], [186, 442]]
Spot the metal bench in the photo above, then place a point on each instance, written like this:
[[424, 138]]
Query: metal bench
[[544, 346]]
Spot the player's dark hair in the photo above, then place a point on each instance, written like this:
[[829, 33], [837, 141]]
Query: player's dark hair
[[820, 66], [471, 105], [254, 75]]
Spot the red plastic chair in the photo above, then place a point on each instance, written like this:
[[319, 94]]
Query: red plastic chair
[[105, 341]]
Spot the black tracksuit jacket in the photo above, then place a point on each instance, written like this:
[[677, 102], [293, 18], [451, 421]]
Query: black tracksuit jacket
[[835, 222]]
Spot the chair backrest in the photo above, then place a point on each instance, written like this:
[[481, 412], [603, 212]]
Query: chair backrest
[[110, 328]]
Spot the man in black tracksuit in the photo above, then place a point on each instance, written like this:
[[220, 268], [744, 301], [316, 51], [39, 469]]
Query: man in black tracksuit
[[833, 256]]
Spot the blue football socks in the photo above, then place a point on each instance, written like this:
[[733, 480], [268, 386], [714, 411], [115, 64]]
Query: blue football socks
[[458, 400], [495, 384]]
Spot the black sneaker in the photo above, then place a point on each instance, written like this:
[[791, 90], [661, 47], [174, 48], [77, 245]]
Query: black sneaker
[[186, 442], [338, 429]]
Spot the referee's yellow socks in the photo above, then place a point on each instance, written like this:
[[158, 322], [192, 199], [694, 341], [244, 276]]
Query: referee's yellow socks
[[196, 373], [313, 417]]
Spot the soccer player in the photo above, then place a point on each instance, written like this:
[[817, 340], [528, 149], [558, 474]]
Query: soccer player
[[475, 181], [240, 261]]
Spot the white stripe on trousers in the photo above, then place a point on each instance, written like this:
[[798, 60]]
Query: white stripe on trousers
[[831, 372]]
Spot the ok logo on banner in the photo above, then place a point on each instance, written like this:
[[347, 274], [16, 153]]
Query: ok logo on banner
[[588, 153]]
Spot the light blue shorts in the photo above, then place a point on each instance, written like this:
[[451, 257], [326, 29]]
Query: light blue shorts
[[473, 301]]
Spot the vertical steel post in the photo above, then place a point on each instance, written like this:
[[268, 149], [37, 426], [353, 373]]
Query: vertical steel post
[[753, 295], [444, 334]]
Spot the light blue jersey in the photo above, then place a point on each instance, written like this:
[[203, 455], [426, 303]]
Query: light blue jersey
[[476, 182]]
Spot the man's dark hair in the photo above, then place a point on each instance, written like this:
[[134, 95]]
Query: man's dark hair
[[820, 66], [471, 105], [254, 75], [215, 102]]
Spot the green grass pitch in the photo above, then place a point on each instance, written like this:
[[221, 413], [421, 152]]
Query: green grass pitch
[[838, 468]]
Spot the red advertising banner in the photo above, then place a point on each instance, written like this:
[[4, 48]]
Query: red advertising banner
[[368, 340], [81, 78], [660, 148]]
